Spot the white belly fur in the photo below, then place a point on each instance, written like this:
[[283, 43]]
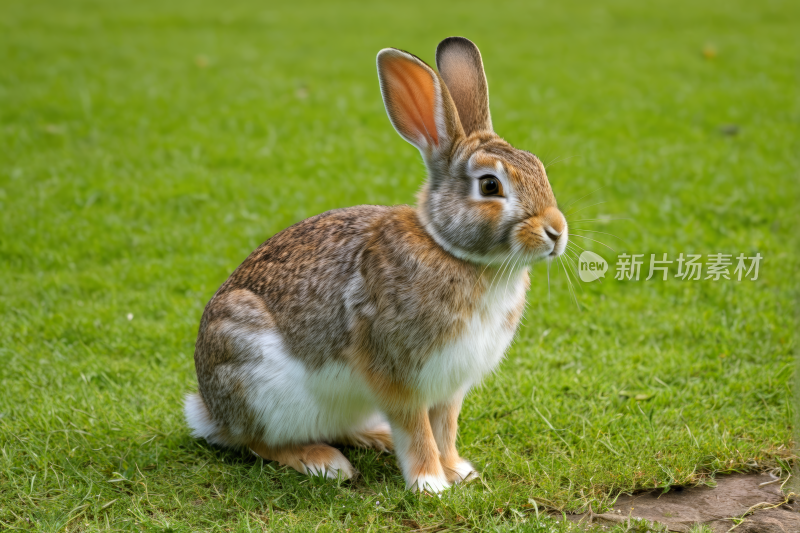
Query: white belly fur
[[298, 405]]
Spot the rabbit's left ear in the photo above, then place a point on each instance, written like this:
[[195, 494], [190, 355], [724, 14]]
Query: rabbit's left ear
[[417, 102], [460, 65]]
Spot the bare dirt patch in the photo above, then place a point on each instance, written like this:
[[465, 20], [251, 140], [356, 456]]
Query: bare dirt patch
[[755, 497]]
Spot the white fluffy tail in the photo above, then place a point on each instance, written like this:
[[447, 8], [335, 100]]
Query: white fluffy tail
[[200, 421]]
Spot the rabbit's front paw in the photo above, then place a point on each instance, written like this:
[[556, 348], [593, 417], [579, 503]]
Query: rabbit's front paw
[[461, 472], [429, 483]]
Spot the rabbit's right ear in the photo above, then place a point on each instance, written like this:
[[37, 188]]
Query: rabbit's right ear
[[417, 102]]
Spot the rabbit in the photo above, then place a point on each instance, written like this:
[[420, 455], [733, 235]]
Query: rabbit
[[368, 325]]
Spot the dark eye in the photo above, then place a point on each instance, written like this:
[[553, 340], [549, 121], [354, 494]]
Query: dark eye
[[490, 186]]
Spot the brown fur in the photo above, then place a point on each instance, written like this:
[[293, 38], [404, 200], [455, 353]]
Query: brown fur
[[222, 392], [528, 233], [380, 290], [411, 308], [488, 233], [402, 313], [377, 438], [461, 67], [423, 454], [297, 274], [444, 422], [306, 458], [411, 91]]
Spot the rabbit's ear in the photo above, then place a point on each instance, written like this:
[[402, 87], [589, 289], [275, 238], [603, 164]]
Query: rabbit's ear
[[460, 65], [417, 102]]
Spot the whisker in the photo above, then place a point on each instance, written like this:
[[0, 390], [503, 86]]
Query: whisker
[[582, 208], [507, 268], [512, 265], [551, 161], [569, 284], [548, 281], [603, 232], [581, 248], [596, 219], [582, 197], [594, 240], [570, 257], [574, 254], [554, 161], [578, 259], [496, 274], [511, 273], [503, 271], [481, 274], [521, 262], [574, 292], [577, 253], [575, 273]]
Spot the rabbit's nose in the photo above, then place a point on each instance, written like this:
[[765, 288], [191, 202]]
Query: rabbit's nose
[[553, 234], [554, 223]]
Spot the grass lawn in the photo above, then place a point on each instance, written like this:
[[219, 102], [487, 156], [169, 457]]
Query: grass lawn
[[146, 148]]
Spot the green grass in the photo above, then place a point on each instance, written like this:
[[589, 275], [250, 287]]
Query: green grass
[[147, 147]]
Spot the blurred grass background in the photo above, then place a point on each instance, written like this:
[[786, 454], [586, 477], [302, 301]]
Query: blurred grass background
[[148, 147]]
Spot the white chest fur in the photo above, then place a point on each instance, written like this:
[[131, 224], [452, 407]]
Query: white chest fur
[[463, 362]]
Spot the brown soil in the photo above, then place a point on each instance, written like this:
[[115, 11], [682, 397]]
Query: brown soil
[[756, 495]]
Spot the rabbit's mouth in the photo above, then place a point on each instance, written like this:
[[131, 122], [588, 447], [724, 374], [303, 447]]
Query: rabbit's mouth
[[544, 236], [559, 246]]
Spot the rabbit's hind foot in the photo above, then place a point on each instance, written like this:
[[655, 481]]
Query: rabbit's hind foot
[[376, 434], [459, 471], [311, 459]]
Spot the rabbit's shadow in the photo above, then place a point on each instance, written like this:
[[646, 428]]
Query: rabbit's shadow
[[372, 466]]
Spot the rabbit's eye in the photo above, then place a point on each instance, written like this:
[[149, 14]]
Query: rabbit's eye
[[490, 186]]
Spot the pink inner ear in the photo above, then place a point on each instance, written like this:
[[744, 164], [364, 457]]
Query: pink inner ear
[[413, 99]]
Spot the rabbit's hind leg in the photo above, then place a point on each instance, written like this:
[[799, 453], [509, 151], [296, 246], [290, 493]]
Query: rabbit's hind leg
[[316, 459], [374, 433]]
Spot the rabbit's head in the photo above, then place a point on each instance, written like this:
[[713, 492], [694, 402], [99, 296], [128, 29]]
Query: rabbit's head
[[484, 199]]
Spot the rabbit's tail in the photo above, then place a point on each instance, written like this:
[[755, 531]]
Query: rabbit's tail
[[200, 421]]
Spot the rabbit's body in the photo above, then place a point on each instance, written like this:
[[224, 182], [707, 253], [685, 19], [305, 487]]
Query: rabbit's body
[[297, 346], [368, 325]]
